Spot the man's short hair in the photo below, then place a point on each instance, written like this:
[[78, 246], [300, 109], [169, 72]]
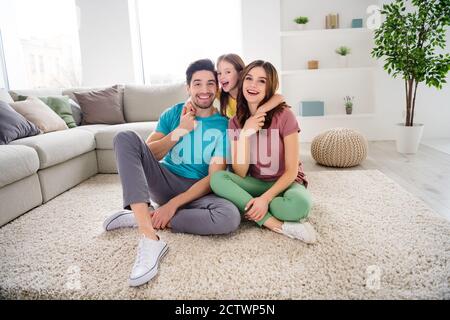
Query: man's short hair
[[199, 65]]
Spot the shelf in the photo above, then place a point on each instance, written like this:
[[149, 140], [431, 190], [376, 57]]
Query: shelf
[[325, 70], [321, 32], [340, 116]]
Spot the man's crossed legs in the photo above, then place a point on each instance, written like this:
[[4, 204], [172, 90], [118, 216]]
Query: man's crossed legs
[[144, 178]]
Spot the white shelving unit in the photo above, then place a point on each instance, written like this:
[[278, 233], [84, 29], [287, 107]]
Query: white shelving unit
[[330, 83]]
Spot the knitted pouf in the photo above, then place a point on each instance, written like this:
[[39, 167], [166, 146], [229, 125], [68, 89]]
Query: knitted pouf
[[339, 147]]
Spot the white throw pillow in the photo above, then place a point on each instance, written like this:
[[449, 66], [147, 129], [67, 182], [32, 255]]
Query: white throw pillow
[[37, 112]]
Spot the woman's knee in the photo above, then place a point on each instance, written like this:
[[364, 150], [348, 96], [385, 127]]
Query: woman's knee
[[294, 204], [302, 202]]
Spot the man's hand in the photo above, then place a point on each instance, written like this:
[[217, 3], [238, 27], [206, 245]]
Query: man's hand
[[256, 208], [163, 215]]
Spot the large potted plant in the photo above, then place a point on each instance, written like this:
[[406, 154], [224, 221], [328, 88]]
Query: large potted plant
[[407, 40]]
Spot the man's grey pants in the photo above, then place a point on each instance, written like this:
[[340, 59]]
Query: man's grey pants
[[144, 178]]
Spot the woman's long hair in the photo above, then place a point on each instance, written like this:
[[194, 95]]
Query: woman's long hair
[[243, 111], [239, 65]]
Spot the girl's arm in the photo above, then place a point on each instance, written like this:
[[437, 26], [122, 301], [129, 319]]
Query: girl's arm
[[291, 154], [240, 155], [272, 103]]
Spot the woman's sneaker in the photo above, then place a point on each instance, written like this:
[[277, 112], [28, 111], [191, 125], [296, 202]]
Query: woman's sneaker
[[301, 231], [149, 254]]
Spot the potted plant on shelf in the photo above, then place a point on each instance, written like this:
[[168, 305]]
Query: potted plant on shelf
[[408, 40], [301, 22], [348, 104], [343, 53]]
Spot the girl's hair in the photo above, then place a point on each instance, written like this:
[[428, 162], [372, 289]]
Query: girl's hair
[[243, 111], [238, 65]]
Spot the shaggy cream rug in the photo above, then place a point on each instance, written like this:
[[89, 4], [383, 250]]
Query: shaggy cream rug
[[376, 241]]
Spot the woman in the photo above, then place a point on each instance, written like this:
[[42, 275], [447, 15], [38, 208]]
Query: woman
[[272, 193]]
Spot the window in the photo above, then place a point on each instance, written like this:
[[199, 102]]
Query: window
[[41, 43], [176, 32], [3, 78]]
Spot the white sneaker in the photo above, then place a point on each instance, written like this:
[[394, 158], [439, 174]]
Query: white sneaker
[[121, 219], [301, 231], [145, 267]]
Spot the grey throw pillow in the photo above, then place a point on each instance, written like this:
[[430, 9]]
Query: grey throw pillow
[[76, 111], [101, 106], [13, 125]]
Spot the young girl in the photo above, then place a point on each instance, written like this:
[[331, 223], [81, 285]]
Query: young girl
[[229, 68], [272, 193]]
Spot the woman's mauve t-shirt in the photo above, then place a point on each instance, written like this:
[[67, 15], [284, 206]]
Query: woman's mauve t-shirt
[[267, 160]]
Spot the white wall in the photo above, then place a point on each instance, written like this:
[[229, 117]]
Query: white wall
[[261, 31], [106, 43]]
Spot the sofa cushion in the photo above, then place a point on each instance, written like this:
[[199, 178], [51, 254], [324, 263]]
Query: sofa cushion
[[93, 128], [4, 96], [40, 114], [16, 163], [13, 125], [57, 147], [104, 138], [146, 103], [102, 106]]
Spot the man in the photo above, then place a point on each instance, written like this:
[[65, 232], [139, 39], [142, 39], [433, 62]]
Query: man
[[192, 147]]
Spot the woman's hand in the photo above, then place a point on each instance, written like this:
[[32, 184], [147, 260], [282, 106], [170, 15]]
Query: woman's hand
[[256, 208], [254, 123]]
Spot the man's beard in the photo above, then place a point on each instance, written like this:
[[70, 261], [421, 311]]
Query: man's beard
[[203, 107]]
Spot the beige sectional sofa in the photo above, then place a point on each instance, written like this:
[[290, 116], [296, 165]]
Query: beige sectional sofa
[[36, 169]]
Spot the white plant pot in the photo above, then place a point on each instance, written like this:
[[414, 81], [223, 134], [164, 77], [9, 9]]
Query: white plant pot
[[408, 138], [343, 61], [301, 26]]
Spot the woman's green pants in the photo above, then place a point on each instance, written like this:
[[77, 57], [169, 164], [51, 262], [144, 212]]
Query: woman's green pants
[[293, 204]]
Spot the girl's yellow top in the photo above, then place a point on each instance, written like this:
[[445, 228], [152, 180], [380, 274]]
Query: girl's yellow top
[[231, 106]]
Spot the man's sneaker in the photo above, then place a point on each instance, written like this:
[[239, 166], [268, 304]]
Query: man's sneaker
[[301, 231], [121, 219], [145, 267]]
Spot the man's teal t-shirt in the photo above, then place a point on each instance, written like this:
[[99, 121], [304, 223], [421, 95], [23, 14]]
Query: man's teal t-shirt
[[191, 156]]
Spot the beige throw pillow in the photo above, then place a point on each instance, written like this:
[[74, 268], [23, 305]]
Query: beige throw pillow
[[37, 112]]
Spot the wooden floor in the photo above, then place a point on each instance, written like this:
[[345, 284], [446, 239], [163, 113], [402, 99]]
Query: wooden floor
[[425, 174]]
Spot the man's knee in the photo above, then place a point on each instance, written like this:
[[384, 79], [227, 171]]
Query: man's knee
[[226, 216], [124, 138]]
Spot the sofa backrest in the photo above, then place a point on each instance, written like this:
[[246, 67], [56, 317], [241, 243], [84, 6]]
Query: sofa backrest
[[146, 103], [36, 92], [140, 102]]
